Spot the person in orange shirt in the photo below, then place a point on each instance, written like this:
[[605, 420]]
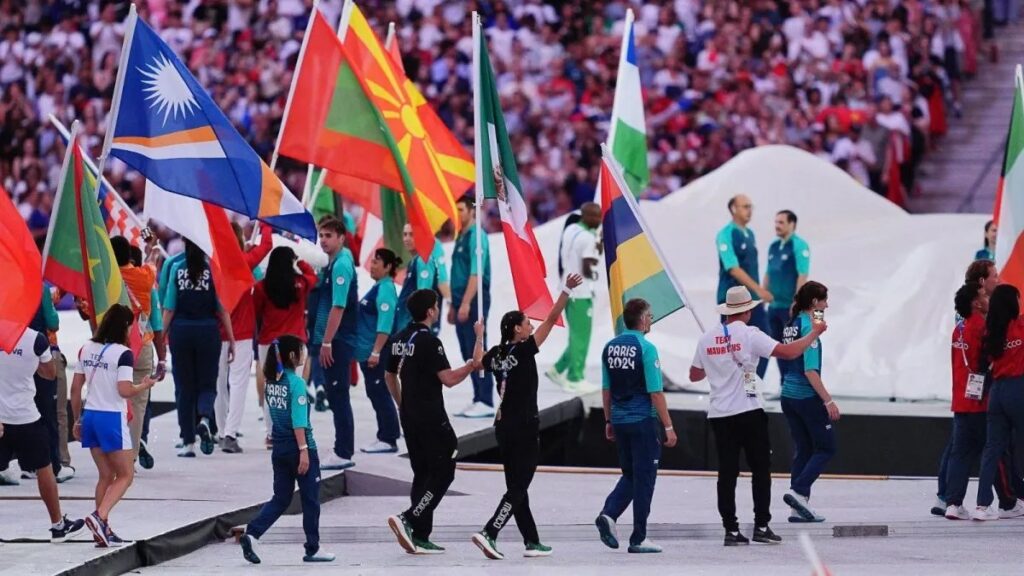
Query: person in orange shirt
[[140, 281]]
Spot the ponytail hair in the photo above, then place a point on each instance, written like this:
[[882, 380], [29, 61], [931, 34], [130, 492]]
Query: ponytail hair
[[389, 258], [508, 326], [807, 294], [1003, 308], [279, 357], [195, 261]]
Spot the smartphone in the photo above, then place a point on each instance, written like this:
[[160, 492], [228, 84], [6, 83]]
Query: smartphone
[[818, 315]]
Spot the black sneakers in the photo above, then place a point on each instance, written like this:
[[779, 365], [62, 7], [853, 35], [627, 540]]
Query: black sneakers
[[68, 528], [766, 536], [735, 539], [145, 458]]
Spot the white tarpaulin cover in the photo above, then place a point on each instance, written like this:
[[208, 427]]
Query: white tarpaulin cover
[[891, 275]]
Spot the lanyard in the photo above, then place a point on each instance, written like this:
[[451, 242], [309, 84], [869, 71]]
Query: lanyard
[[960, 336], [401, 362], [96, 365], [505, 369], [732, 351]]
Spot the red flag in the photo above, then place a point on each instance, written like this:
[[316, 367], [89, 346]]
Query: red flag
[[22, 288], [209, 228]]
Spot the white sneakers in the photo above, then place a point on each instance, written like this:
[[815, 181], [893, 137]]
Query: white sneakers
[[986, 513], [66, 473], [7, 478], [1016, 512], [954, 512], [335, 462], [557, 377], [379, 447], [187, 451], [801, 506], [477, 410]]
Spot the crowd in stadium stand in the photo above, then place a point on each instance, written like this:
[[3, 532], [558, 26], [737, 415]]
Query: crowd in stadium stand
[[867, 84]]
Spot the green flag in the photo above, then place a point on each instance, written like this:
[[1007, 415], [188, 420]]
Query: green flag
[[78, 257]]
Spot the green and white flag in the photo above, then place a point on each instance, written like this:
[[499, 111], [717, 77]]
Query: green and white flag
[[627, 134]]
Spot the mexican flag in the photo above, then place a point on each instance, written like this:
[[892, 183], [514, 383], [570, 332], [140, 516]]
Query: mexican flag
[[498, 178], [77, 256], [1010, 196], [627, 134]]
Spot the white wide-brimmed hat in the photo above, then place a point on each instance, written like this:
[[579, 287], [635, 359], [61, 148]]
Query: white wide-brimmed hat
[[737, 301]]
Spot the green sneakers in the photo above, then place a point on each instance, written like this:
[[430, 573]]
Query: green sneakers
[[403, 532], [487, 545], [426, 547], [537, 550]]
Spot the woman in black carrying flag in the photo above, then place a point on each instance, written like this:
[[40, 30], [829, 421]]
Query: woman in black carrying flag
[[514, 365]]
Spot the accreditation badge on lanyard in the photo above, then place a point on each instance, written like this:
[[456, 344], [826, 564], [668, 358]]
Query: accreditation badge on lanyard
[[503, 382], [975, 388], [750, 378]]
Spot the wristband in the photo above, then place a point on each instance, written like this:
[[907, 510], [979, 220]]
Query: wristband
[[303, 448], [669, 428], [374, 354], [326, 345], [830, 402]]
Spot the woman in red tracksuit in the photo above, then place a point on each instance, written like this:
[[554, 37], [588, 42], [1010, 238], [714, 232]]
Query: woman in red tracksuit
[[970, 404], [233, 378], [1003, 343], [280, 303]]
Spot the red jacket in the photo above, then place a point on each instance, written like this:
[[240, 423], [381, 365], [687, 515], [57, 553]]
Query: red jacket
[[243, 317], [967, 346], [1011, 363], [292, 320]]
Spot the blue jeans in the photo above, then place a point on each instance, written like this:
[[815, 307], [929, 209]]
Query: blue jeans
[[337, 381], [286, 474], [639, 451], [777, 320], [483, 386], [1005, 416], [383, 404], [196, 352], [814, 441], [944, 466]]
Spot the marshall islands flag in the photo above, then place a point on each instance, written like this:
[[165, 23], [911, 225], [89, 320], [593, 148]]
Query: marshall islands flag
[[166, 126]]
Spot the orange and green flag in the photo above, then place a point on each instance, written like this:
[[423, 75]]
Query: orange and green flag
[[354, 112], [77, 256], [439, 165]]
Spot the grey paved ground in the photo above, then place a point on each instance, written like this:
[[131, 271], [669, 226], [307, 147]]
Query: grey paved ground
[[684, 520]]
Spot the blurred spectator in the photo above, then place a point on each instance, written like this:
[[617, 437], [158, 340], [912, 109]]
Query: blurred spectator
[[843, 79]]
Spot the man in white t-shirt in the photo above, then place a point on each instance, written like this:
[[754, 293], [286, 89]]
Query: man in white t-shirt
[[727, 355], [23, 435], [579, 255]]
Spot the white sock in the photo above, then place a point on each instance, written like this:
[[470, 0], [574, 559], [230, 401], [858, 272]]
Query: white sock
[[59, 524]]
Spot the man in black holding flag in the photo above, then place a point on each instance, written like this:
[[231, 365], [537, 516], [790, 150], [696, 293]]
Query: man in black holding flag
[[417, 371]]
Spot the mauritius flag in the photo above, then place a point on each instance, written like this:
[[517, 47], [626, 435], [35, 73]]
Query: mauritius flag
[[77, 256], [498, 178], [635, 267], [166, 126], [627, 134]]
